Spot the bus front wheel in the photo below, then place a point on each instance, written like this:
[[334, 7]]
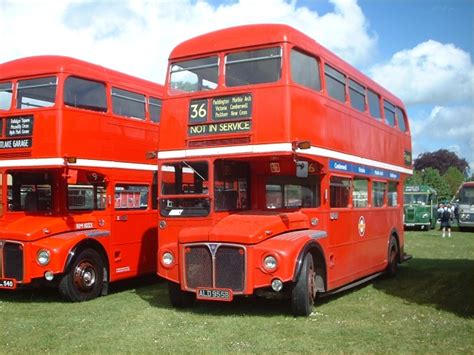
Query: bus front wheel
[[304, 291], [84, 279], [178, 297]]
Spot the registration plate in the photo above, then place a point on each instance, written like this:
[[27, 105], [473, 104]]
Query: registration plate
[[214, 294], [8, 283]]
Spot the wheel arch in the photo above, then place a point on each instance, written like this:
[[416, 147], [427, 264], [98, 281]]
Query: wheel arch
[[394, 233], [316, 251], [90, 243]]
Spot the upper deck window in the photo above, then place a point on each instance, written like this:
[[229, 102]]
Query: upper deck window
[[374, 104], [34, 93], [305, 70], [389, 111], [335, 83], [194, 75], [128, 104], [401, 119], [6, 94], [253, 67], [357, 95], [155, 109], [86, 94]]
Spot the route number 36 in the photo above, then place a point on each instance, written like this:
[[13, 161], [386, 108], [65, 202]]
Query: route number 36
[[198, 110]]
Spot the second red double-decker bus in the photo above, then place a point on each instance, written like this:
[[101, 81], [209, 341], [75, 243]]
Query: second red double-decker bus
[[281, 170], [78, 198]]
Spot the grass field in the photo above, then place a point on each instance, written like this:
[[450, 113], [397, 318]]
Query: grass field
[[427, 308]]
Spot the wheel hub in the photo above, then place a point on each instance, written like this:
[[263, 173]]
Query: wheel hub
[[85, 276]]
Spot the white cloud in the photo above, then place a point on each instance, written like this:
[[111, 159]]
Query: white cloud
[[450, 127], [430, 73], [136, 36]]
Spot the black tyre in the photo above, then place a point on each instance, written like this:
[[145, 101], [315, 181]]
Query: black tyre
[[304, 291], [178, 297], [84, 279], [393, 257]]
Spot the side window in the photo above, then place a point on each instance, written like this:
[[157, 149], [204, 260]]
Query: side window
[[34, 93], [378, 193], [128, 104], [339, 191], [389, 111], [155, 109], [392, 194], [360, 193], [86, 94], [6, 94], [335, 83], [305, 70], [131, 197], [401, 119], [357, 95], [86, 197], [374, 104]]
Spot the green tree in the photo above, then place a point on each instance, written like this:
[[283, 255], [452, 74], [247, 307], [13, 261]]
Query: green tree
[[415, 179], [432, 178], [453, 178]]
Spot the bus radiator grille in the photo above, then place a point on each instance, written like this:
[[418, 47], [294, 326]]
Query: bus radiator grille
[[410, 215], [230, 268], [12, 265], [198, 267], [225, 270]]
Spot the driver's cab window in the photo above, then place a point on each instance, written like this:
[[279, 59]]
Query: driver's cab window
[[292, 192], [29, 192]]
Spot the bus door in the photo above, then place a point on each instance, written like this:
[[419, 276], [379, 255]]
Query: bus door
[[134, 237], [340, 258]]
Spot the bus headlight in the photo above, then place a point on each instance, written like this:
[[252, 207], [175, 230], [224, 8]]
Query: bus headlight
[[167, 259], [270, 263], [43, 257]]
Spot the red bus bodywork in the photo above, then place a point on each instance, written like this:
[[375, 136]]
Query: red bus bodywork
[[250, 224], [74, 137]]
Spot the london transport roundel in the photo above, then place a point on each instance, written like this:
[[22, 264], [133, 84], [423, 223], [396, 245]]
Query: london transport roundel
[[361, 226]]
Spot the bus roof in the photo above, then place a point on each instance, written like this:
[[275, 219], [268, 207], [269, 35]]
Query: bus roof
[[254, 35], [51, 64]]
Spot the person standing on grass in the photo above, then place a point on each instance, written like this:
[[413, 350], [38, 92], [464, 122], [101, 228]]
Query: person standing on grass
[[445, 213]]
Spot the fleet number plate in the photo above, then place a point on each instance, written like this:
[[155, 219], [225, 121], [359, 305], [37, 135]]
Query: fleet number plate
[[7, 283], [214, 294]]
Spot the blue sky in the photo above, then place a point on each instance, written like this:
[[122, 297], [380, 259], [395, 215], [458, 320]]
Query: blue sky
[[419, 49]]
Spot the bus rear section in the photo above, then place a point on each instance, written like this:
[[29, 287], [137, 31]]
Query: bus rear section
[[281, 170], [78, 198], [465, 204]]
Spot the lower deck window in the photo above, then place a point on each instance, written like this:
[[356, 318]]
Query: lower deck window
[[292, 192], [392, 196], [131, 197], [360, 194], [378, 193], [86, 197], [339, 191]]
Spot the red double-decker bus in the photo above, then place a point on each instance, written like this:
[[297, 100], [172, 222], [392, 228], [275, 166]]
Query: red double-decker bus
[[281, 170], [77, 194]]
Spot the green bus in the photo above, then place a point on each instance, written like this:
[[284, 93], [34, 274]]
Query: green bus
[[420, 207]]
